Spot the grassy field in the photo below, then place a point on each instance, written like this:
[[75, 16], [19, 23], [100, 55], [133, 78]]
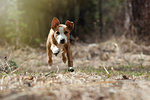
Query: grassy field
[[107, 71]]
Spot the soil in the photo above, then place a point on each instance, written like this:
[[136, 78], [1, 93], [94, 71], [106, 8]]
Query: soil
[[111, 70]]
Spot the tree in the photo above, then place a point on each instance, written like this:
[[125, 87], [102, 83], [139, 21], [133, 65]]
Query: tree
[[14, 24], [100, 17], [138, 20]]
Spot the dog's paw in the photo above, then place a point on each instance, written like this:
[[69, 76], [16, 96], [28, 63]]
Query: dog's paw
[[55, 51], [70, 69]]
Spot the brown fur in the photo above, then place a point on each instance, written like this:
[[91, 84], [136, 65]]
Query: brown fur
[[51, 42]]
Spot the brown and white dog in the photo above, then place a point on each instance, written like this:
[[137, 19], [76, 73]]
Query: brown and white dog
[[59, 41]]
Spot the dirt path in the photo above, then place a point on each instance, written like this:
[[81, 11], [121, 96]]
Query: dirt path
[[128, 76]]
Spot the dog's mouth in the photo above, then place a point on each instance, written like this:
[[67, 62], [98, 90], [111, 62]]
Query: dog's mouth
[[56, 53]]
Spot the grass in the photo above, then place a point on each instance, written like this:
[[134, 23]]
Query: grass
[[89, 80], [30, 76], [120, 70], [129, 71]]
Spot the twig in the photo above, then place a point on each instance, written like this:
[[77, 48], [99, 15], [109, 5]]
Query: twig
[[8, 66], [105, 69], [3, 68], [15, 70], [57, 69]]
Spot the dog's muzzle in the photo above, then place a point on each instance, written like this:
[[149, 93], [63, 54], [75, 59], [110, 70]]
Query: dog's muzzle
[[62, 41]]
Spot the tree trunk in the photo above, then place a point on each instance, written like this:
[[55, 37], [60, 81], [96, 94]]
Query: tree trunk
[[101, 18], [138, 20]]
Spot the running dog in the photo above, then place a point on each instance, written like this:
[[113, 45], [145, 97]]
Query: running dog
[[58, 41]]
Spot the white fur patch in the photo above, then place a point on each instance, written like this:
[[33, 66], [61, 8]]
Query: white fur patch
[[55, 49], [70, 67], [61, 30], [61, 35]]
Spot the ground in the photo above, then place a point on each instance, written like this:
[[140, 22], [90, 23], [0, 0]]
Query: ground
[[111, 70]]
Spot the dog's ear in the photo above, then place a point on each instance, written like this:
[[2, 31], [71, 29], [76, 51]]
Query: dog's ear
[[55, 23], [70, 25]]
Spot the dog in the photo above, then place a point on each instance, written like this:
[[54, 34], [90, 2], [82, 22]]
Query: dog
[[59, 41]]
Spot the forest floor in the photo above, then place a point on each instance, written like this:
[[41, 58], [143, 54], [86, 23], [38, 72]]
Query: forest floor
[[111, 70]]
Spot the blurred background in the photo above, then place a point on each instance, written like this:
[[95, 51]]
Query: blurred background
[[110, 49], [28, 21]]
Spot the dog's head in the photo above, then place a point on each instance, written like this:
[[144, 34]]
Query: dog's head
[[61, 31]]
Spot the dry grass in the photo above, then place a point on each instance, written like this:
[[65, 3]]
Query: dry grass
[[108, 71]]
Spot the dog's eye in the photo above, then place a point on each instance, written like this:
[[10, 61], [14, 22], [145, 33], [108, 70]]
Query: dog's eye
[[66, 32], [57, 33]]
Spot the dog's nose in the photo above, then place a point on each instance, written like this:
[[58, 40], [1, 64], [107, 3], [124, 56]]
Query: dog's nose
[[62, 41]]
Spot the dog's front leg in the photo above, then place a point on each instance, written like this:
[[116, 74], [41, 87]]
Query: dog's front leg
[[54, 49], [49, 52], [63, 55], [69, 56]]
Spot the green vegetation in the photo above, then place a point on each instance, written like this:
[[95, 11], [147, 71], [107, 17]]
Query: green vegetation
[[8, 66], [28, 22], [128, 71]]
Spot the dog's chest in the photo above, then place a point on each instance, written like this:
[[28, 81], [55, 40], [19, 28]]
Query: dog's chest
[[60, 46]]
